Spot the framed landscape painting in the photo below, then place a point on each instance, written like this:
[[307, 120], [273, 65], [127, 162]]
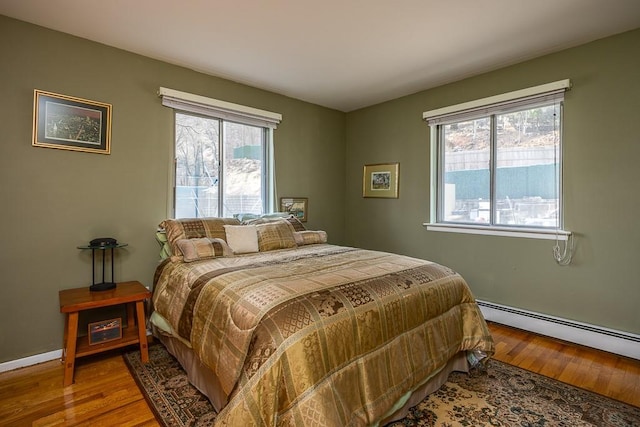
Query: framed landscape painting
[[297, 206], [70, 123], [381, 180]]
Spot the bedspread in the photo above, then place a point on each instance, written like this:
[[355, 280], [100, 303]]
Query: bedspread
[[321, 334]]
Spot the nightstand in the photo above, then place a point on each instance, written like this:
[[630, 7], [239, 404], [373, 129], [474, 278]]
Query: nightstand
[[73, 301]]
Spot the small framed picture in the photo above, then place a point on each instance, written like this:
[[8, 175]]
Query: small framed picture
[[70, 123], [106, 330], [297, 206], [381, 180]]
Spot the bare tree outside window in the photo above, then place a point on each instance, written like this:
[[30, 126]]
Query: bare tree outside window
[[206, 184]]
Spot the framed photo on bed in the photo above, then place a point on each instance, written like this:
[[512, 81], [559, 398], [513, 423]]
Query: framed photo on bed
[[70, 123], [297, 206], [381, 180]]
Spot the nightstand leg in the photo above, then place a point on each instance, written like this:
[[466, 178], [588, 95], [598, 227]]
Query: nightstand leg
[[70, 347], [130, 318], [142, 332], [65, 336]]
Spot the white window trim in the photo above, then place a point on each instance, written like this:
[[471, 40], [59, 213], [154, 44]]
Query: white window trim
[[220, 109], [434, 117], [479, 104], [528, 233]]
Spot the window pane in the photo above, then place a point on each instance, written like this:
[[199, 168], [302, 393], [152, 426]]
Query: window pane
[[197, 159], [243, 169], [466, 193], [526, 176]]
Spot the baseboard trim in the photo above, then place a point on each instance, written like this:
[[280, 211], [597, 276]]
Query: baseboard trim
[[31, 360], [610, 340], [36, 358]]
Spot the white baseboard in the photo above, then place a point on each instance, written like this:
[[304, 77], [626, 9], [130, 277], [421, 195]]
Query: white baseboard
[[35, 359], [610, 340], [31, 360]]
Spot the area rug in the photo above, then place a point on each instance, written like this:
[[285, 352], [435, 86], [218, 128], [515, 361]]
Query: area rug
[[502, 396]]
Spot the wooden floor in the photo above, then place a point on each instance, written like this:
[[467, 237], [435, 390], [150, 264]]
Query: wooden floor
[[105, 394]]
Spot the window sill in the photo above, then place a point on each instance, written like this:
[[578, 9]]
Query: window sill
[[527, 233]]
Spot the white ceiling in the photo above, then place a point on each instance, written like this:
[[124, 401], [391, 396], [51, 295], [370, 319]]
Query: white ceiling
[[343, 54]]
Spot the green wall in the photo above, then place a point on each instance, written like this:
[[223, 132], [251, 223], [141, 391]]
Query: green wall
[[54, 200], [601, 176]]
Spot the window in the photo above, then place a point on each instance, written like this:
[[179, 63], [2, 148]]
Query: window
[[498, 161], [223, 161], [219, 167]]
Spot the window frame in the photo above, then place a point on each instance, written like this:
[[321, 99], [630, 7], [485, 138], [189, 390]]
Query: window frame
[[490, 107], [222, 149], [223, 111]]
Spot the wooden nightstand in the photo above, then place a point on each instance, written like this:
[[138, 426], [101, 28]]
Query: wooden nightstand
[[72, 301]]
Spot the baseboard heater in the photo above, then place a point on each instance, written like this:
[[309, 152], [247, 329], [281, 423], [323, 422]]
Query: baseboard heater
[[610, 340]]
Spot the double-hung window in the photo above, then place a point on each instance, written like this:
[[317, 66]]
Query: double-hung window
[[223, 163], [496, 163]]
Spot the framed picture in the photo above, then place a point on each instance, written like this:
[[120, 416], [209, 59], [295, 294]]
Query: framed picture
[[70, 123], [296, 206], [106, 330], [381, 180]]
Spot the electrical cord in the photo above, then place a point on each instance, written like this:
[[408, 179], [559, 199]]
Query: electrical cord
[[563, 256]]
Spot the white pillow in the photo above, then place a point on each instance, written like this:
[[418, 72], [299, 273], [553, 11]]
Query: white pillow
[[242, 239]]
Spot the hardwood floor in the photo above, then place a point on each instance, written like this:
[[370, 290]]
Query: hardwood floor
[[604, 373], [105, 394]]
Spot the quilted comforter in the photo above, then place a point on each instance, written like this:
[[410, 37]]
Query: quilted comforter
[[321, 334]]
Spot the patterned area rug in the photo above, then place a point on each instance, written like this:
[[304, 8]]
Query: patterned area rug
[[504, 396]]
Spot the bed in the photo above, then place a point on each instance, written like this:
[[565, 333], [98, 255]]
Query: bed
[[279, 328]]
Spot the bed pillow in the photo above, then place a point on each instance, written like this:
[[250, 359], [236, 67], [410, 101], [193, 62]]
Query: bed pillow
[[295, 222], [165, 249], [244, 217], [309, 237], [194, 228], [242, 239], [275, 235], [203, 248]]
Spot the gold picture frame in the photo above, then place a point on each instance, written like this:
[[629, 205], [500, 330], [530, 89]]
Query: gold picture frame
[[381, 180], [296, 206], [70, 123]]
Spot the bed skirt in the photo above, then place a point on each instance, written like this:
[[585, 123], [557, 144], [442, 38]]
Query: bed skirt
[[208, 383]]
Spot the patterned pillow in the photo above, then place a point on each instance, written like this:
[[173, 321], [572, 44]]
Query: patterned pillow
[[203, 248], [194, 228], [295, 222], [275, 235], [309, 237]]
